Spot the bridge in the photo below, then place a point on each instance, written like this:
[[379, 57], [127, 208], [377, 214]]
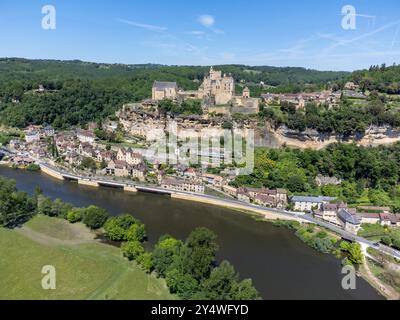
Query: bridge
[[88, 181], [154, 190]]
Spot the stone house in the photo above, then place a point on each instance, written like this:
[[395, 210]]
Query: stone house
[[243, 195], [85, 136], [73, 158], [265, 201], [106, 156], [32, 136], [349, 220], [371, 218], [213, 179], [329, 212], [164, 90], [175, 184], [118, 168], [390, 219], [308, 204], [138, 172], [232, 191]]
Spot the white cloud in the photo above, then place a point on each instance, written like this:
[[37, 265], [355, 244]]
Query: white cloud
[[206, 20], [197, 33], [143, 25]]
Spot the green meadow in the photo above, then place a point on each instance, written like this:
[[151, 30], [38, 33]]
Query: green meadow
[[85, 269]]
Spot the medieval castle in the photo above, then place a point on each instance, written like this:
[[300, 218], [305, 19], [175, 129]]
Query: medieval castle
[[216, 91]]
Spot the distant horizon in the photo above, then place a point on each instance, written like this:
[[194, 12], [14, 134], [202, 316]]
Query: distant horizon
[[189, 65], [319, 35]]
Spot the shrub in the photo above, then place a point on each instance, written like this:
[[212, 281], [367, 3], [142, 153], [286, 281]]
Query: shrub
[[94, 217], [126, 228], [132, 250], [33, 167], [396, 244], [136, 232], [387, 240], [182, 284], [146, 261], [323, 245], [74, 215], [113, 230]]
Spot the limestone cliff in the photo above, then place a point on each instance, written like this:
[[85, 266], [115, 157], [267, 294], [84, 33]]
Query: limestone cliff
[[374, 136]]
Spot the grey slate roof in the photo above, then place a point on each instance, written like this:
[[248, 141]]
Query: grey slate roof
[[162, 85], [346, 216], [320, 199]]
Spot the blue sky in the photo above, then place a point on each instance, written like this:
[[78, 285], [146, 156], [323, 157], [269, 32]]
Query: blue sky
[[304, 33]]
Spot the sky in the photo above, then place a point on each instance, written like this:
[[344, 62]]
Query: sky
[[307, 33]]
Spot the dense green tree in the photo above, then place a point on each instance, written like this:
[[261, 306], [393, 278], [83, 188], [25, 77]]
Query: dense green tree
[[135, 232], [113, 230], [227, 125], [355, 255], [60, 208], [15, 207], [75, 215], [164, 254], [146, 261], [132, 250], [88, 163], [220, 284], [244, 290], [184, 285], [386, 240], [125, 227], [45, 206], [94, 217], [197, 256]]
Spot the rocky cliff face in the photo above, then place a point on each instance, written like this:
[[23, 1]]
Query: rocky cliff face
[[374, 136]]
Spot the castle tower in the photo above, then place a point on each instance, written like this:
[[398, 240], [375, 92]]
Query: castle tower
[[246, 93]]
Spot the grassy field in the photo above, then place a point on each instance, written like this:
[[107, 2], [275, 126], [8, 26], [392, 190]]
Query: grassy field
[[88, 270], [59, 228]]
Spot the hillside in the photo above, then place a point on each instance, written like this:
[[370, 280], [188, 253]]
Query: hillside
[[78, 92], [380, 78]]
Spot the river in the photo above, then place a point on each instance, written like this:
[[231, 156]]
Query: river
[[281, 266]]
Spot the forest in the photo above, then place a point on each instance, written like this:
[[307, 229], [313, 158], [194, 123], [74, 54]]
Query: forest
[[348, 119], [78, 92], [385, 79]]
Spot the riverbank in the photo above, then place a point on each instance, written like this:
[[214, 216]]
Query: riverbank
[[262, 212], [235, 205], [258, 250], [72, 250], [383, 273], [384, 289]]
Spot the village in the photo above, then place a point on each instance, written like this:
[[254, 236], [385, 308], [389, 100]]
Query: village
[[86, 151]]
